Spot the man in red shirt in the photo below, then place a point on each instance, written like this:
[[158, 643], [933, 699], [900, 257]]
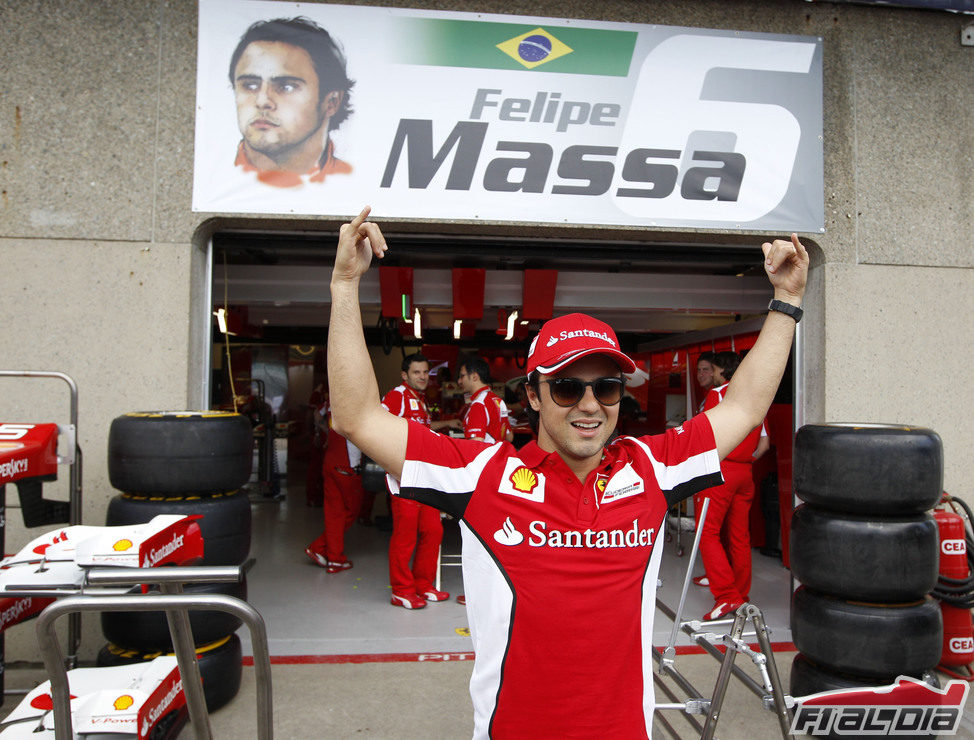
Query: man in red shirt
[[416, 528], [725, 543], [486, 416], [342, 495], [561, 539]]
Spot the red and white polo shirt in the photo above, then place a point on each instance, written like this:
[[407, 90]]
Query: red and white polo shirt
[[744, 452], [405, 402], [486, 417], [560, 576]]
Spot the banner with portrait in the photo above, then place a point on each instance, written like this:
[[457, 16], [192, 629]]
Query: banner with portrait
[[319, 109]]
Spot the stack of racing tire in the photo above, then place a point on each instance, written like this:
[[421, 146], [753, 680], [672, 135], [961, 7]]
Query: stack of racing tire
[[865, 549], [190, 463]]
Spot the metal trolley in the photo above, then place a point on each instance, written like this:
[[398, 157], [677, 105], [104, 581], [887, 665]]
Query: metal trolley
[[708, 636]]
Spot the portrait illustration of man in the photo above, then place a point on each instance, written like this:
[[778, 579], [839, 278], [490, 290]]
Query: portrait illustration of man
[[291, 90]]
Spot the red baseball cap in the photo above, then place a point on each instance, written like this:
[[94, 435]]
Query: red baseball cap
[[571, 337]]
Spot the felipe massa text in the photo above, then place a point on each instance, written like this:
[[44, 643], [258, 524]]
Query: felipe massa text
[[544, 108], [579, 169]]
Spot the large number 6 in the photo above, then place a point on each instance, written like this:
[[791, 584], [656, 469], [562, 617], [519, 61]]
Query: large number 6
[[667, 109]]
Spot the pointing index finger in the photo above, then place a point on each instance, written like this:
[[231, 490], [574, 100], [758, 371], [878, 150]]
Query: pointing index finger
[[799, 247], [360, 219]]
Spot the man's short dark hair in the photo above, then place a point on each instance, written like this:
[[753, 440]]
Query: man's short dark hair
[[477, 365], [410, 359], [326, 56], [706, 357], [728, 363]]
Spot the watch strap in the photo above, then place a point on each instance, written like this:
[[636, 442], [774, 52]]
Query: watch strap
[[786, 308]]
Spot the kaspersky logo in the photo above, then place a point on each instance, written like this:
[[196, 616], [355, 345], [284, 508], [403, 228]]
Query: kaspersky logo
[[908, 707], [534, 48]]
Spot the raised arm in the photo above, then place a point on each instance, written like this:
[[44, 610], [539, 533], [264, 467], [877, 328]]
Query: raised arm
[[356, 412], [752, 389]]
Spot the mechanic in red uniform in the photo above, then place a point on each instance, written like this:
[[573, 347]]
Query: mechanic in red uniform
[[416, 528], [705, 379], [342, 496], [486, 416], [562, 538], [705, 375], [314, 484], [725, 543]]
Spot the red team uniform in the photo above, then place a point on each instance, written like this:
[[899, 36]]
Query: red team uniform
[[415, 528], [342, 498], [543, 554], [486, 417], [728, 563]]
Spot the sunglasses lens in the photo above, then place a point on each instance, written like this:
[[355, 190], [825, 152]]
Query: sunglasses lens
[[608, 391], [566, 391]]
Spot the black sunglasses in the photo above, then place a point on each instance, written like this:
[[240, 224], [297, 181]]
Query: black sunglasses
[[569, 391]]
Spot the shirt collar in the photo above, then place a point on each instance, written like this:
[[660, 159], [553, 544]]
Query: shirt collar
[[479, 394], [534, 457]]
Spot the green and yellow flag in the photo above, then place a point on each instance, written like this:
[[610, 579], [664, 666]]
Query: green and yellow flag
[[483, 45]]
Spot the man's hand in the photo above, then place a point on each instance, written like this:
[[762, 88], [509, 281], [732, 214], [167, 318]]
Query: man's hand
[[358, 240], [786, 264]]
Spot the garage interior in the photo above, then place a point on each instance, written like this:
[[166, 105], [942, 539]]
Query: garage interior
[[273, 292]]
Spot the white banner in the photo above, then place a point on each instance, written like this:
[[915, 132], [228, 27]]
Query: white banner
[[320, 109]]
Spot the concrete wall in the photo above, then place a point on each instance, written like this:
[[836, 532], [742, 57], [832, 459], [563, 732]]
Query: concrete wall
[[101, 268]]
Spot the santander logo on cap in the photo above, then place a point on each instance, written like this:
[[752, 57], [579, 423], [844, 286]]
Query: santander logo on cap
[[570, 337]]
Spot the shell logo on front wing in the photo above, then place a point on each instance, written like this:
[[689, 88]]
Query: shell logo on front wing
[[122, 545], [123, 702]]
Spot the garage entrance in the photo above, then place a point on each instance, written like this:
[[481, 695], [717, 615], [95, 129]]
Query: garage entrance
[[270, 303]]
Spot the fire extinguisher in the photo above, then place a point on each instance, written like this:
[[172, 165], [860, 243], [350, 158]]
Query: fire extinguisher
[[955, 586]]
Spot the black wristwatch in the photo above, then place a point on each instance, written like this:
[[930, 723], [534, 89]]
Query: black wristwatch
[[786, 308]]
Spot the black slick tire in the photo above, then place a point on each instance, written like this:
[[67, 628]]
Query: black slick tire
[[869, 640], [870, 469], [876, 560], [225, 526], [174, 452], [149, 631], [220, 662]]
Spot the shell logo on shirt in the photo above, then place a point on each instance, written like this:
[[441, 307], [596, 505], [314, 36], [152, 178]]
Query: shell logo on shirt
[[519, 480], [524, 480]]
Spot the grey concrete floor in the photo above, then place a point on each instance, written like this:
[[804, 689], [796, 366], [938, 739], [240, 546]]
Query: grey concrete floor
[[430, 700]]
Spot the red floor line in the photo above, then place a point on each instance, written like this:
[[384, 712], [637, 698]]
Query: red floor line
[[778, 647]]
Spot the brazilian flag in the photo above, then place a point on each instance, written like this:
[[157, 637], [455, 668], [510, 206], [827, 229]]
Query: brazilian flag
[[482, 45]]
